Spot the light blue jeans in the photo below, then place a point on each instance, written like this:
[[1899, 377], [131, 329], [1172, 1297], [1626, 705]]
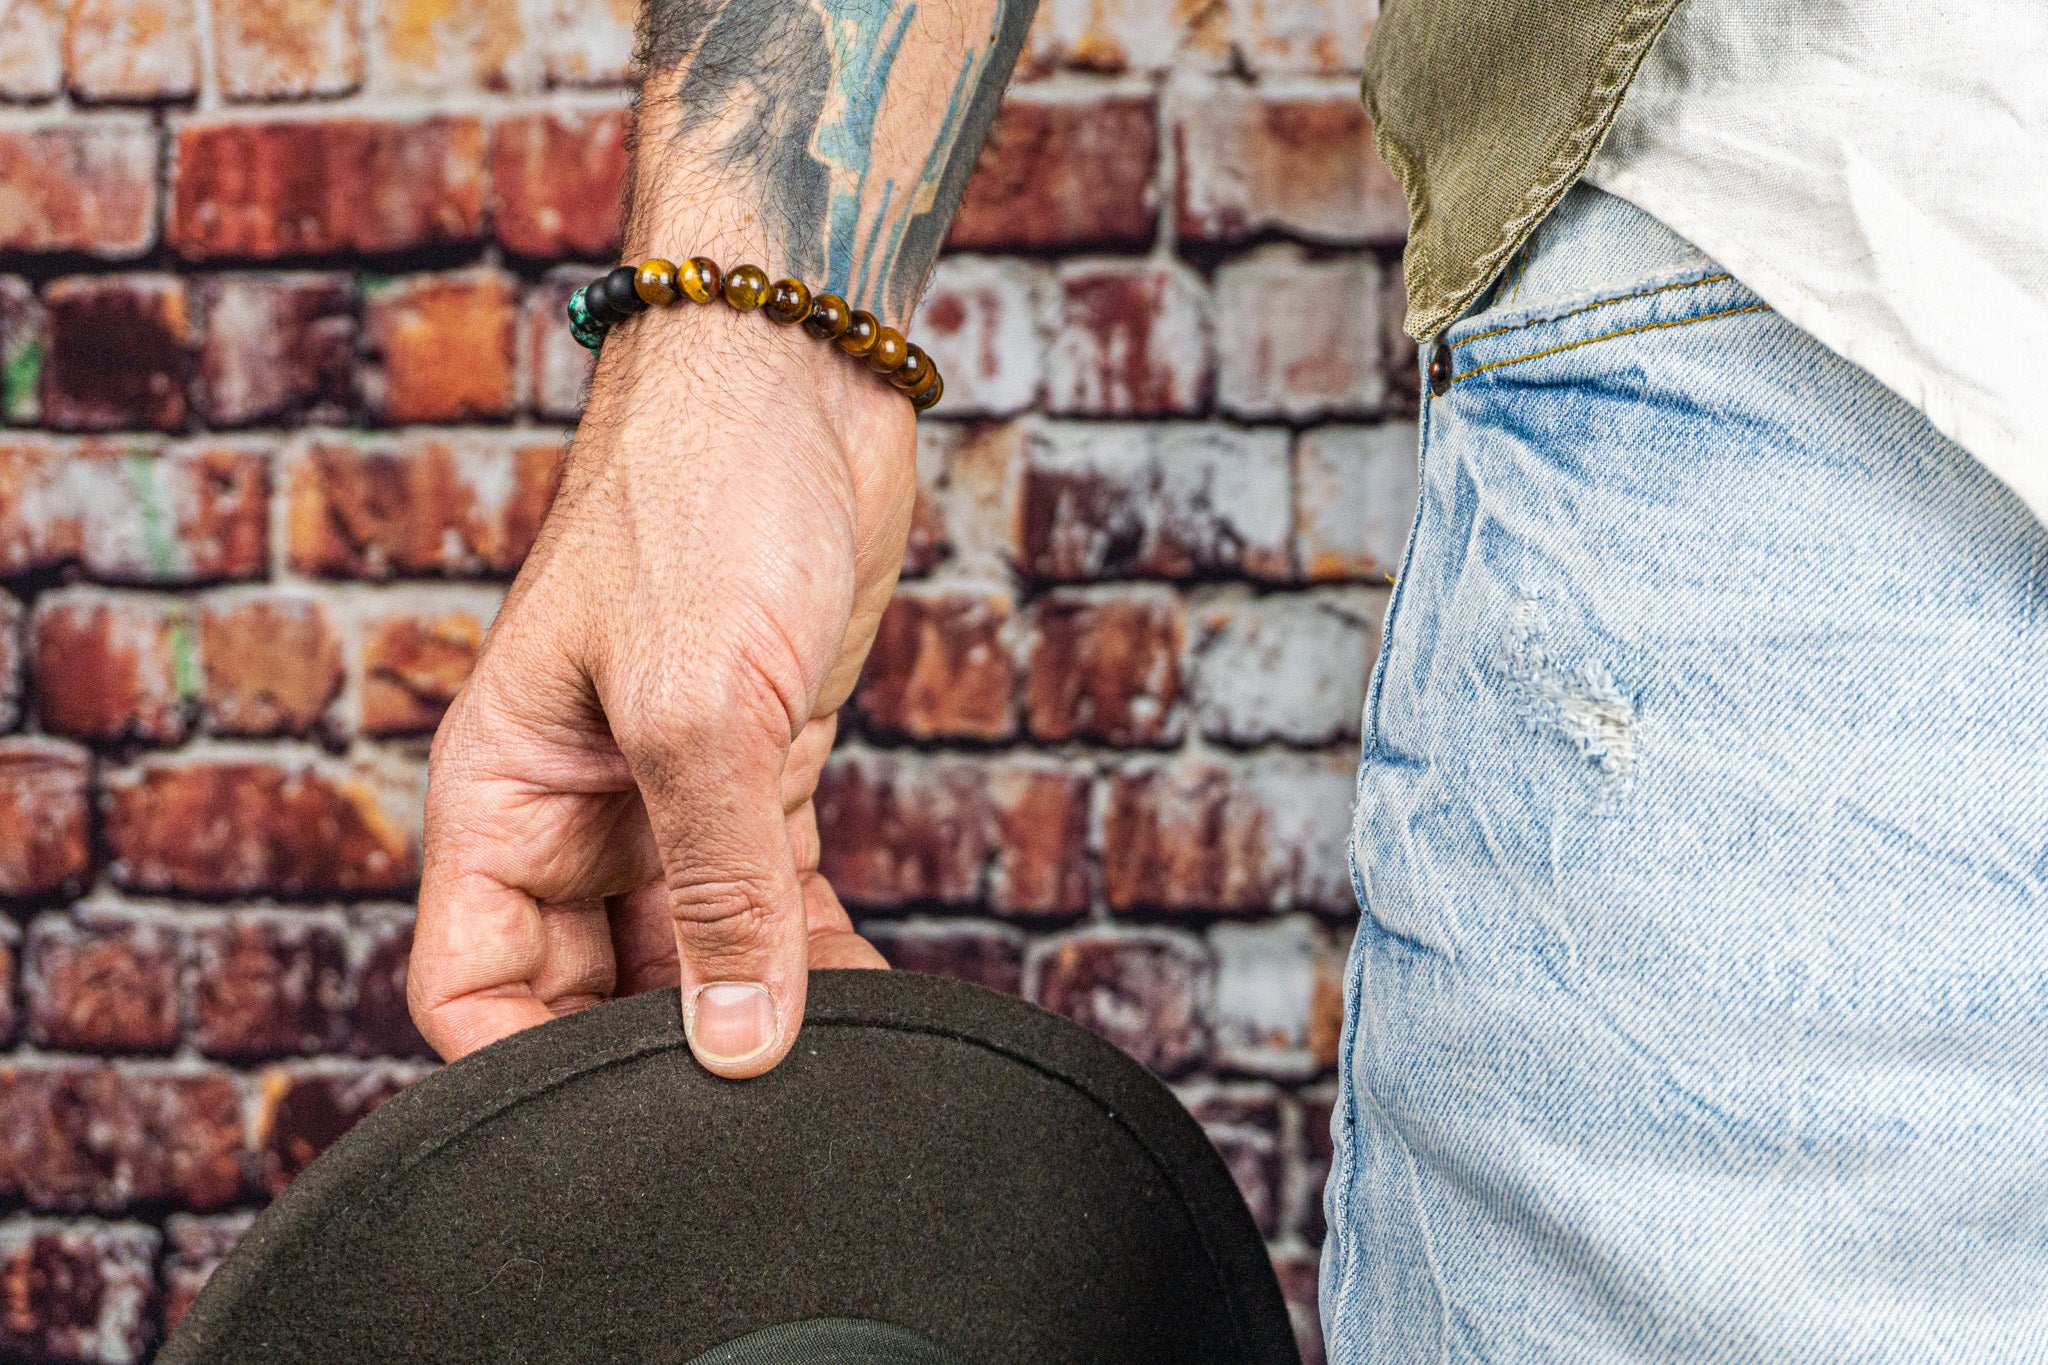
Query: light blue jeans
[[1699, 1010]]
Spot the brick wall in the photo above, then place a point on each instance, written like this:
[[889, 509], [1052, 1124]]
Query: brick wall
[[285, 391]]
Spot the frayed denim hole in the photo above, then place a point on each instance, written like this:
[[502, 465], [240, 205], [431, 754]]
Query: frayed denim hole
[[1582, 705]]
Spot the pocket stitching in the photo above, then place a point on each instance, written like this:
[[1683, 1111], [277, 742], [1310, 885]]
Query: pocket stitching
[[1608, 336]]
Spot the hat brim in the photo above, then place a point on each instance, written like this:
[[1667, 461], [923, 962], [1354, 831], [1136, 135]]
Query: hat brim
[[931, 1155]]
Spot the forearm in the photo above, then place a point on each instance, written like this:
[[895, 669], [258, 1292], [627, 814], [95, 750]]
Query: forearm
[[825, 139]]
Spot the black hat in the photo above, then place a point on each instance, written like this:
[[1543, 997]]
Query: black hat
[[937, 1175]]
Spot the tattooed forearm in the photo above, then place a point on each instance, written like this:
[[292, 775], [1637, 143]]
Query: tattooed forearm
[[850, 126]]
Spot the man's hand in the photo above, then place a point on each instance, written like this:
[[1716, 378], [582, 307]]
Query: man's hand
[[620, 799]]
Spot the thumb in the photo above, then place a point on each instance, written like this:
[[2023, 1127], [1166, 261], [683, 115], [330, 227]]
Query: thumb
[[713, 791]]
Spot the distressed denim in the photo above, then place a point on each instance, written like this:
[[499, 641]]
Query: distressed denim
[[1699, 1007]]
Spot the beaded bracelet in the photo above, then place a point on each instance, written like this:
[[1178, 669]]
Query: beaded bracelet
[[618, 294]]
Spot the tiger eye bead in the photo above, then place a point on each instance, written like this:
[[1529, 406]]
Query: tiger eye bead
[[925, 385], [746, 287], [888, 351], [915, 369], [655, 281], [930, 397], [861, 331], [829, 317], [699, 279], [788, 301]]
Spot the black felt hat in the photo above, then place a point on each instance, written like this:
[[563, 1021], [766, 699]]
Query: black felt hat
[[937, 1175]]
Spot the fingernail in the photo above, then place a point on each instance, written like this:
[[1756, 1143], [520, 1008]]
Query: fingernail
[[730, 1022]]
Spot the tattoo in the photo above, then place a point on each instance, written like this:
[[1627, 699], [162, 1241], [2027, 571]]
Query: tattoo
[[790, 100]]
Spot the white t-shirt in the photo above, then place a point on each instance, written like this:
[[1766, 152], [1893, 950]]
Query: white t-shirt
[[1878, 173]]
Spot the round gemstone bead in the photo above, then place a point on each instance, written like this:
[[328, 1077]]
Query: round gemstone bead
[[926, 400], [888, 351], [924, 385], [829, 317], [699, 279], [746, 288], [655, 281], [861, 331], [915, 369], [620, 294], [587, 330], [788, 301]]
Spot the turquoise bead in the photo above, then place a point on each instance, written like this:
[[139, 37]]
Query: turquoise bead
[[587, 330]]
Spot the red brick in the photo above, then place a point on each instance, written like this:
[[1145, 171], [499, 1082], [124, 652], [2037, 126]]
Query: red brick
[[380, 1021], [121, 353], [1299, 1271], [45, 830], [1130, 339], [24, 342], [1040, 809], [1253, 1158], [1105, 666], [1279, 989], [1287, 667], [1112, 501], [413, 665], [1317, 1106], [1314, 37], [967, 496], [1354, 500], [941, 666], [111, 666], [1144, 990], [441, 347], [195, 1248], [83, 185], [1063, 172], [980, 322], [446, 46], [304, 1109], [318, 187], [287, 49], [1297, 161], [11, 614], [234, 827], [558, 369], [1117, 36], [104, 1136], [10, 943], [419, 505], [558, 182], [77, 1290], [31, 49], [126, 514], [903, 828], [278, 348], [589, 44], [1404, 369], [103, 979], [1196, 834], [986, 954], [266, 985], [1305, 335], [272, 663], [132, 49]]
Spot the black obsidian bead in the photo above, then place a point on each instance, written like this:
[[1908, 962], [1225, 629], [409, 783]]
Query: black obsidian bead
[[622, 292]]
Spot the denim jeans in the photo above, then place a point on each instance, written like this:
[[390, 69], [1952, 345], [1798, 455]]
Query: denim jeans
[[1699, 1008]]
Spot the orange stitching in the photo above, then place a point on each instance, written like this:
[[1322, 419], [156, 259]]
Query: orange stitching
[[1626, 331], [1603, 303]]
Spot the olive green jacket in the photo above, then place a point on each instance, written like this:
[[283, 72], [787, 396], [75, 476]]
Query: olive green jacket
[[1487, 111]]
